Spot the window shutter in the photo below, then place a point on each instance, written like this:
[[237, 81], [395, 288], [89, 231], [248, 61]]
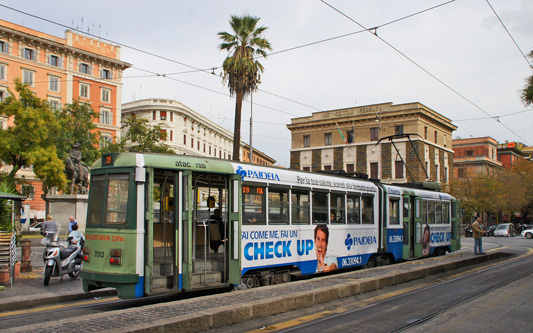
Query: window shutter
[[60, 62], [90, 70], [102, 73], [6, 47], [23, 52]]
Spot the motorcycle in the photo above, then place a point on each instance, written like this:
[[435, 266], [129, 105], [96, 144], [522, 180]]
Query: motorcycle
[[60, 257]]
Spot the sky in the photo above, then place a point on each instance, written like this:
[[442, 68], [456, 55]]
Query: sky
[[454, 57]]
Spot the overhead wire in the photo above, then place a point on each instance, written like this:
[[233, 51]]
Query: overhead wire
[[422, 68], [511, 36], [212, 69]]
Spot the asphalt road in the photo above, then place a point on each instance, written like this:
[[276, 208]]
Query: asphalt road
[[494, 297]]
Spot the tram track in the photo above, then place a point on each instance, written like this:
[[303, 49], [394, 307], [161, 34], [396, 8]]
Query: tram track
[[382, 301]]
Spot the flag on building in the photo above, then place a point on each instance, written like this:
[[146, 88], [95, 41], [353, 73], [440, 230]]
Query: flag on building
[[340, 132]]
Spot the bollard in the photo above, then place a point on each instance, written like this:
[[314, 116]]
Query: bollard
[[26, 256]]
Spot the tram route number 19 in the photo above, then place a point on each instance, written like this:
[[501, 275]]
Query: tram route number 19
[[253, 190]]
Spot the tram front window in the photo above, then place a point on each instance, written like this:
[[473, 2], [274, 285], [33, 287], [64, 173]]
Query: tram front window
[[97, 200], [117, 199]]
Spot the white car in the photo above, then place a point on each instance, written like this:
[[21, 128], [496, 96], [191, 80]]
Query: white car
[[528, 233], [505, 229]]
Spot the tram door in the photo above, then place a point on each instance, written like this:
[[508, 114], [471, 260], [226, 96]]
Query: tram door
[[160, 226], [408, 227], [456, 220], [417, 226]]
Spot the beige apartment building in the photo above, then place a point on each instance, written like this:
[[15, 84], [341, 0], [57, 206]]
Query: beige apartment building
[[190, 133], [395, 143]]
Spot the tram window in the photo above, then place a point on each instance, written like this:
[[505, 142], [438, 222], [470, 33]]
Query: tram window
[[300, 207], [97, 195], [431, 212], [367, 205], [253, 205], [320, 208], [354, 213], [394, 211], [438, 213], [406, 210], [278, 206], [337, 206], [446, 213], [117, 199], [424, 212]]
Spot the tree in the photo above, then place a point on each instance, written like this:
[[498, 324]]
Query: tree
[[31, 141], [241, 71], [140, 138], [76, 127], [527, 93]]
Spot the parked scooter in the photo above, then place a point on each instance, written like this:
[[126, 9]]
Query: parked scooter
[[60, 257]]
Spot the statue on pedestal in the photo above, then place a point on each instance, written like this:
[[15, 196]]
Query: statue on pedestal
[[77, 171]]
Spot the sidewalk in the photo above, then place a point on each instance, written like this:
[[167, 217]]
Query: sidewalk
[[204, 313]]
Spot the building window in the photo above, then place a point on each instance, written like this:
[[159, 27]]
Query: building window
[[105, 74], [307, 140], [163, 115], [53, 83], [163, 135], [327, 167], [446, 174], [4, 46], [398, 129], [84, 90], [54, 104], [351, 136], [192, 143], [106, 95], [350, 168], [3, 72], [435, 136], [154, 115], [28, 191], [327, 139], [374, 134], [28, 78], [184, 139], [469, 153], [29, 53], [437, 173], [106, 117], [85, 68], [171, 135], [306, 168], [425, 132], [398, 169], [54, 60], [445, 142], [374, 170], [198, 144], [3, 95], [105, 140]]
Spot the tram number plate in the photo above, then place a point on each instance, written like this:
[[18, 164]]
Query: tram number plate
[[99, 254]]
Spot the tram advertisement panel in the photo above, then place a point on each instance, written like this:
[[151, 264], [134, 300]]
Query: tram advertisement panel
[[313, 249]]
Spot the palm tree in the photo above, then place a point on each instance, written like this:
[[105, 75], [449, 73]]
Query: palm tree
[[241, 71]]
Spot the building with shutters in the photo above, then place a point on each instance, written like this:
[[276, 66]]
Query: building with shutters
[[61, 70], [188, 132]]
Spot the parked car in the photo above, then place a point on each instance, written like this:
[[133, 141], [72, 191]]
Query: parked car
[[490, 230], [37, 226], [505, 229], [528, 233]]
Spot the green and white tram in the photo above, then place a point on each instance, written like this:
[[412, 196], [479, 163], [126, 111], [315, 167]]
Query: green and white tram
[[152, 228]]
